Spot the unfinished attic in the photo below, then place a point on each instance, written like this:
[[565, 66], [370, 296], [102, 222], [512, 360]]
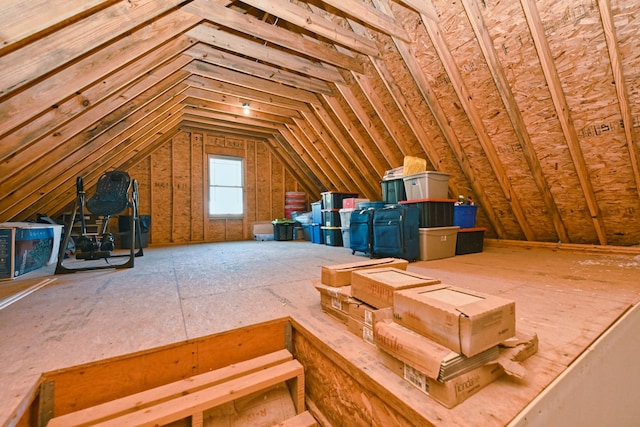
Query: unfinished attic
[[530, 108]]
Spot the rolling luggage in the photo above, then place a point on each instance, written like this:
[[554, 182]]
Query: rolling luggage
[[396, 233], [360, 229]]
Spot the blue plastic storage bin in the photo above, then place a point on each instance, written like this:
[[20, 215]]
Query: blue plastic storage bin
[[464, 216]]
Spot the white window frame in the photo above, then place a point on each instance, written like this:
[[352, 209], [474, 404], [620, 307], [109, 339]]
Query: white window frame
[[212, 185]]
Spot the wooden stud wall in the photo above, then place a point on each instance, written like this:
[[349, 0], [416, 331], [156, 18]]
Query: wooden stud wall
[[173, 187]]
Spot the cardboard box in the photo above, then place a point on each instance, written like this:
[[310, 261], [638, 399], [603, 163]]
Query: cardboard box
[[361, 311], [360, 329], [376, 287], [335, 300], [25, 247], [465, 321], [449, 393], [340, 274], [434, 360]]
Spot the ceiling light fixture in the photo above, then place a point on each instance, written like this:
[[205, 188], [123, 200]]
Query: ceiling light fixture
[[245, 108]]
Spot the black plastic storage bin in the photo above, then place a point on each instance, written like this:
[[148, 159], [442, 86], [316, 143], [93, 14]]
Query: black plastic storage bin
[[124, 231], [332, 236], [283, 229], [393, 190], [331, 218], [333, 199], [433, 212], [470, 240]]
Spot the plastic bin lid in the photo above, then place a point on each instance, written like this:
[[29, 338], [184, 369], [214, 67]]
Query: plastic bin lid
[[431, 199], [426, 173]]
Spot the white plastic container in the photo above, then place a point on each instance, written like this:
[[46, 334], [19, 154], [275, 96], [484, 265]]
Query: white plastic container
[[427, 185]]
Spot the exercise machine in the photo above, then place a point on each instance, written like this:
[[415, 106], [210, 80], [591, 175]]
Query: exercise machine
[[115, 192]]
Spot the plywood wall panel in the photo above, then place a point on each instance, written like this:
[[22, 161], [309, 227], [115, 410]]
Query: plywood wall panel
[[161, 194], [577, 42], [181, 188], [198, 177], [514, 47]]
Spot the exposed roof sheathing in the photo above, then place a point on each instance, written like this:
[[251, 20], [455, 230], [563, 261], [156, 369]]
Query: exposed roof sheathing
[[533, 107]]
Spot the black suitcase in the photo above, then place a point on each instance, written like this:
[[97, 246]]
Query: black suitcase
[[396, 232], [360, 229]]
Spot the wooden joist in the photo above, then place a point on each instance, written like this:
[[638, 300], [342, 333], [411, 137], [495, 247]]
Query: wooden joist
[[193, 395], [304, 419]]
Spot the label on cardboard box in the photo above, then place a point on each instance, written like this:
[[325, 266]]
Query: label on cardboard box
[[465, 321]]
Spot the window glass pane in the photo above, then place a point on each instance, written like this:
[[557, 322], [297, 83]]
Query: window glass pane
[[226, 172], [225, 200], [225, 186]]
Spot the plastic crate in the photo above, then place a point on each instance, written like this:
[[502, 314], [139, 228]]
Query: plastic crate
[[331, 218], [470, 240], [438, 242], [333, 199], [346, 237], [393, 190], [375, 204], [426, 185], [332, 236], [345, 217], [316, 212], [316, 234], [464, 216], [283, 230], [433, 212]]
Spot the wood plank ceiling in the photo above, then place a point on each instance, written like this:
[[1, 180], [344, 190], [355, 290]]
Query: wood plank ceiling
[[531, 106]]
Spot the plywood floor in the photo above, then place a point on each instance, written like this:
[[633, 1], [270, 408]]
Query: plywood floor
[[181, 292]]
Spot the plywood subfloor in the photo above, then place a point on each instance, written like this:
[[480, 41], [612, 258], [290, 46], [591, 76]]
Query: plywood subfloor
[[182, 292]]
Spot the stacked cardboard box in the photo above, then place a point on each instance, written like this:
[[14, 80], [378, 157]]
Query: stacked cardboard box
[[447, 341]]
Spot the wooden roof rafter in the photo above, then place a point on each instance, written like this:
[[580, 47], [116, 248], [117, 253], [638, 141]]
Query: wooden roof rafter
[[564, 115], [486, 45], [622, 92], [270, 33], [449, 134], [475, 119]]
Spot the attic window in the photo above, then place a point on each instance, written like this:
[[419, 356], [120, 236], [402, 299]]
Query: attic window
[[226, 186]]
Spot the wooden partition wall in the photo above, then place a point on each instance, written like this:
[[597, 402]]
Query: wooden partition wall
[[173, 187]]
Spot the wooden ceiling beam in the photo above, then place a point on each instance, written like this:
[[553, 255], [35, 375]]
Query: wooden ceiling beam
[[94, 68], [303, 18], [232, 101], [308, 141], [160, 132], [232, 120], [394, 157], [222, 39], [475, 119], [364, 149], [340, 159], [354, 160], [271, 33], [370, 16], [485, 42], [289, 157], [23, 66], [243, 94], [426, 9], [564, 115], [286, 136], [40, 149], [622, 92], [234, 110], [95, 96], [254, 83], [23, 20], [59, 176], [210, 55]]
